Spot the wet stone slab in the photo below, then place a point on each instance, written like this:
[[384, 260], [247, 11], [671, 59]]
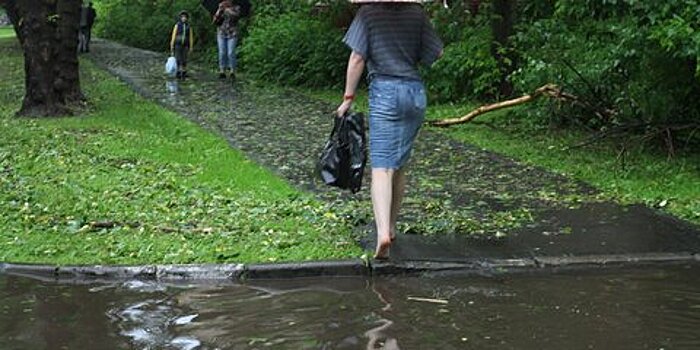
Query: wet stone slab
[[584, 234], [463, 202]]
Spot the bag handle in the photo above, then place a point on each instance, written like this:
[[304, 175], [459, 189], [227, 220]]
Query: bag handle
[[338, 123]]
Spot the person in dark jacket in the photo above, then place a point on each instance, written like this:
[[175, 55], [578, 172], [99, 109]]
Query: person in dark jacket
[[181, 43], [91, 17]]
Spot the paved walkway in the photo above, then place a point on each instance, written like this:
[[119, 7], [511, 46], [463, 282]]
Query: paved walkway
[[464, 202]]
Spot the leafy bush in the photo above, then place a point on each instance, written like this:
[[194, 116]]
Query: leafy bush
[[295, 49], [467, 70], [617, 61], [455, 23]]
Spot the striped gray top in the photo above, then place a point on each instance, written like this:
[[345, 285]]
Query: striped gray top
[[393, 39]]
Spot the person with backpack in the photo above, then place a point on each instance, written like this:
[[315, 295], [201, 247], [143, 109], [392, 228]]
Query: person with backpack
[[181, 43], [226, 19], [391, 39]]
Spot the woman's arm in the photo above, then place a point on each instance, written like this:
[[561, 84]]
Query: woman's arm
[[356, 65], [217, 15]]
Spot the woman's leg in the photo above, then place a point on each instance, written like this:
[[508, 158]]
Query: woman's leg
[[397, 193], [221, 45], [231, 54], [382, 187]]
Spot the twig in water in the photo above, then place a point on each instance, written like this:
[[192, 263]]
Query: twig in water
[[428, 300]]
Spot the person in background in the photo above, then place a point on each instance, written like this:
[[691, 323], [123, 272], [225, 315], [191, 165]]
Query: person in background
[[226, 19], [181, 43], [391, 39], [83, 29], [91, 16]]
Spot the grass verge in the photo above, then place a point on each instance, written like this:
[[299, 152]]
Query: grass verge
[[672, 185], [129, 182], [7, 32]]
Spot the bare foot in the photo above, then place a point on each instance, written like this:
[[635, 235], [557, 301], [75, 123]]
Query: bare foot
[[382, 252]]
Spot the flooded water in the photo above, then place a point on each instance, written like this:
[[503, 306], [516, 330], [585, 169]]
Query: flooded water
[[657, 308]]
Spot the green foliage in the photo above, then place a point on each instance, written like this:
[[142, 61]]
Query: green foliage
[[616, 55], [7, 32], [467, 70], [295, 49], [673, 24], [274, 8], [456, 23], [676, 27]]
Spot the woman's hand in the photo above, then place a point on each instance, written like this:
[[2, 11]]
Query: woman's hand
[[343, 108]]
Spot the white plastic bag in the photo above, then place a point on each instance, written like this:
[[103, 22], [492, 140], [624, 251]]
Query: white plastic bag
[[171, 66]]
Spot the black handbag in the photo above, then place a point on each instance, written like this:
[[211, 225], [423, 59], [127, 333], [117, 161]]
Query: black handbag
[[342, 162]]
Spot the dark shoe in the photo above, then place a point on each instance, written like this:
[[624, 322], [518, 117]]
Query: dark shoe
[[184, 75], [222, 75], [232, 76], [178, 75]]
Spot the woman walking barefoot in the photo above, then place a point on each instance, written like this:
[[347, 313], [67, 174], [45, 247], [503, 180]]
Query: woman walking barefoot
[[390, 38]]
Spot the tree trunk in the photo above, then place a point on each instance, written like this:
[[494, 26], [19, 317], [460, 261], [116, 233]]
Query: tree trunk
[[502, 28], [48, 33]]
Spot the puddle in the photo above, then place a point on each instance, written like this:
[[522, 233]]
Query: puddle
[[613, 309]]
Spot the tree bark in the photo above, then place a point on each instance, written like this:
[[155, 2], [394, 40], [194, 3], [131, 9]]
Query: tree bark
[[48, 33]]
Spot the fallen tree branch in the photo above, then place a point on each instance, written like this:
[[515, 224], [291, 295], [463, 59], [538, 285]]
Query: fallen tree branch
[[108, 225], [549, 90], [96, 225], [546, 89]]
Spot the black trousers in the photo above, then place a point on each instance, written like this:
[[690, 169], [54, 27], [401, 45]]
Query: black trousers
[[180, 53]]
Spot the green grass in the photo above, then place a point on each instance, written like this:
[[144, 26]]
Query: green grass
[[7, 32], [168, 191], [647, 177]]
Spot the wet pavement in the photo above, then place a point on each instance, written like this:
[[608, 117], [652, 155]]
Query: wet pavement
[[463, 202], [656, 308]]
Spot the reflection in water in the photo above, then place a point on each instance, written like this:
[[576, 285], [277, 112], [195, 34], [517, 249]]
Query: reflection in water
[[617, 309], [377, 339], [171, 86]]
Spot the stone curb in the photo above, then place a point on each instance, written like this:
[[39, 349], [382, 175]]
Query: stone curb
[[336, 268], [616, 259], [354, 267]]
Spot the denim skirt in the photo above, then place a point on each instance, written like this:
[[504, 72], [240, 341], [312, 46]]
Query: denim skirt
[[396, 113]]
